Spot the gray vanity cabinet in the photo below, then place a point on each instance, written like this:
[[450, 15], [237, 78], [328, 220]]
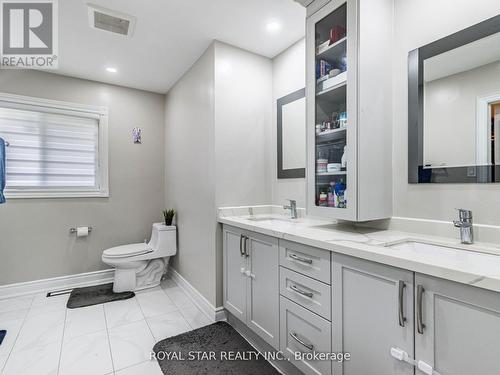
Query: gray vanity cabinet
[[251, 281], [372, 312], [234, 265], [459, 332]]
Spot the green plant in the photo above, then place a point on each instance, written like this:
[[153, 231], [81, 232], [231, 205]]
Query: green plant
[[169, 216]]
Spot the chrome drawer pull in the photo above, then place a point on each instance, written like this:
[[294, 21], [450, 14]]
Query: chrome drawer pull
[[308, 346], [303, 292], [300, 259], [242, 253], [401, 316], [420, 323]]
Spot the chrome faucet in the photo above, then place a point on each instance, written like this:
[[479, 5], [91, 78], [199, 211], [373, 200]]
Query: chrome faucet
[[465, 225], [292, 207]]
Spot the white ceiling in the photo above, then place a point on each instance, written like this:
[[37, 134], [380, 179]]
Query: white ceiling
[[169, 37]]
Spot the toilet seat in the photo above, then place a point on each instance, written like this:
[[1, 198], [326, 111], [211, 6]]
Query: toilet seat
[[125, 251]]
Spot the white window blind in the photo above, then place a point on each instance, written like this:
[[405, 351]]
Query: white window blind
[[51, 153]]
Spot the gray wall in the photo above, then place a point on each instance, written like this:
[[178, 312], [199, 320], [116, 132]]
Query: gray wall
[[243, 93], [218, 126], [190, 172], [418, 22], [289, 75], [34, 238]]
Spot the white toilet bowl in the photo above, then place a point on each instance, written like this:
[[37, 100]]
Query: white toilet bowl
[[142, 265]]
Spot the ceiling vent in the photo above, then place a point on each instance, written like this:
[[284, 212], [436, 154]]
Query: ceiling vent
[[111, 21]]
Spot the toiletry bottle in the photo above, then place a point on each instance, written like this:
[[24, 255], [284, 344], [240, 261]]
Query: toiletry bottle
[[343, 160], [331, 195], [339, 192], [323, 199]]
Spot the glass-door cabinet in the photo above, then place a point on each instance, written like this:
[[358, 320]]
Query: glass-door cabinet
[[337, 100], [329, 125]]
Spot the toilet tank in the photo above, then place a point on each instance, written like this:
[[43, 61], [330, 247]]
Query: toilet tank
[[164, 239]]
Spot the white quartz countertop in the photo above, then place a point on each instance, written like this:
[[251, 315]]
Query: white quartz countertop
[[477, 264]]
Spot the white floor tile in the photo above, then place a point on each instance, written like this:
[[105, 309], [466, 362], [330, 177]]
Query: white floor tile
[[119, 313], [12, 327], [43, 304], [180, 298], [145, 368], [43, 360], [195, 317], [155, 303], [13, 315], [84, 320], [130, 344], [87, 354], [18, 303], [41, 299], [168, 283], [3, 359], [40, 330], [168, 325]]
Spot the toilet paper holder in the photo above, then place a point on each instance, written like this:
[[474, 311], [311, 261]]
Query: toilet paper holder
[[73, 230]]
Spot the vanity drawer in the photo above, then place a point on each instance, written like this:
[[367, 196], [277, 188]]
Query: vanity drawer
[[306, 260], [303, 331], [309, 293]]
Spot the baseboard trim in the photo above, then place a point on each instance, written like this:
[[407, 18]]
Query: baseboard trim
[[55, 283], [213, 313]]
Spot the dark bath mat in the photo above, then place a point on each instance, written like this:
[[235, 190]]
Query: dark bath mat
[[94, 295], [216, 338], [3, 332]]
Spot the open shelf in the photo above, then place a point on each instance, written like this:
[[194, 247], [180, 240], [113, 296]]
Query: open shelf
[[331, 135], [340, 82], [339, 173], [332, 52]]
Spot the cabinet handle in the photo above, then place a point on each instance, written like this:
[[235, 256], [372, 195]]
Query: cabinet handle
[[303, 292], [295, 337], [300, 259], [420, 324], [241, 245], [401, 317], [245, 243]]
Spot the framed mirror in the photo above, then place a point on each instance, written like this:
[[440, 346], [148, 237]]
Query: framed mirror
[[291, 113], [454, 107]]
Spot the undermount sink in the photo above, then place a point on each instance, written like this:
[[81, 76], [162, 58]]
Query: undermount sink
[[423, 247], [455, 256], [269, 218]]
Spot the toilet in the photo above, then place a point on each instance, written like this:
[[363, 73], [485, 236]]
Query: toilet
[[142, 265]]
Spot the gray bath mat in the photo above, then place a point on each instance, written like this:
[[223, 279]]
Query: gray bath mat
[[94, 295], [220, 339]]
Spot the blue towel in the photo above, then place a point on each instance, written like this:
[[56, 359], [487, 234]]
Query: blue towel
[[2, 170]]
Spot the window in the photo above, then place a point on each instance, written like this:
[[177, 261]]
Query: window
[[55, 149]]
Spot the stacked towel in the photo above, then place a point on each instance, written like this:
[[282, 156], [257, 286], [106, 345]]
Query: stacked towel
[[2, 170]]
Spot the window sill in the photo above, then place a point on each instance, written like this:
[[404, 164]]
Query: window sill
[[33, 194]]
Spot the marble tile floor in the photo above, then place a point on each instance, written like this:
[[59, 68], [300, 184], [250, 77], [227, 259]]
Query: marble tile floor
[[116, 338]]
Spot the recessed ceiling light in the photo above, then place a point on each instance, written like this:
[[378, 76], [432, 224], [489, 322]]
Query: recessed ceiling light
[[273, 26], [111, 70]]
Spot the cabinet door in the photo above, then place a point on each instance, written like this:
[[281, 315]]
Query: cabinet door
[[304, 332], [461, 332], [234, 267], [331, 91], [371, 313], [263, 288]]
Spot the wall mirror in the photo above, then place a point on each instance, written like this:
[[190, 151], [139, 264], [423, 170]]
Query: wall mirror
[[454, 107], [291, 112]]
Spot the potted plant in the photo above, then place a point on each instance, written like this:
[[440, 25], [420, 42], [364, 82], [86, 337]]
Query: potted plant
[[169, 216]]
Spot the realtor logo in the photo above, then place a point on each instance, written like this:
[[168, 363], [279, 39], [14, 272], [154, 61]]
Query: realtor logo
[[29, 34]]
